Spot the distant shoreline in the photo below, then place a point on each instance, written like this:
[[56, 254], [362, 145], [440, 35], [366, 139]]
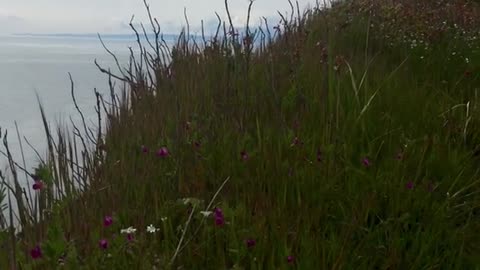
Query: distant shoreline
[[95, 35]]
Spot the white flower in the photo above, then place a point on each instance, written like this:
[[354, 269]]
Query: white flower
[[128, 230], [151, 229], [164, 219], [206, 213]]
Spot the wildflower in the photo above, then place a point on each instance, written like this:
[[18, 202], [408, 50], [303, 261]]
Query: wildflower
[[128, 230], [151, 229], [130, 237], [290, 259], [295, 142], [103, 244], [250, 243], [409, 185], [144, 149], [244, 155], [36, 252], [163, 152], [107, 221], [38, 185], [219, 217], [366, 162], [206, 213], [163, 219]]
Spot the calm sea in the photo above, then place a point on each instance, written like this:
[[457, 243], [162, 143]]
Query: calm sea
[[40, 64]]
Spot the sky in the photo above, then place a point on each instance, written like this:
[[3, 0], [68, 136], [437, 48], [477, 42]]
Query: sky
[[113, 16]]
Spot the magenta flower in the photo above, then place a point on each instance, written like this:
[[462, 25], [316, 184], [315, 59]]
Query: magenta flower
[[38, 185], [36, 252], [366, 162], [409, 185], [250, 243], [130, 237], [244, 155], [290, 259], [163, 152], [144, 149], [103, 244], [219, 217], [107, 221]]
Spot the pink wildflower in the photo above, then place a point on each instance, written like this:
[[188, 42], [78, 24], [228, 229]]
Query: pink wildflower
[[163, 152], [103, 244], [36, 252], [107, 221]]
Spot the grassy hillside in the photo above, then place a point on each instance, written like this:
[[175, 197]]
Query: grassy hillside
[[346, 138]]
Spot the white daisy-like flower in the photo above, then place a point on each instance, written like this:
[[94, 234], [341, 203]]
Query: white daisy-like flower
[[128, 230], [151, 229], [206, 213]]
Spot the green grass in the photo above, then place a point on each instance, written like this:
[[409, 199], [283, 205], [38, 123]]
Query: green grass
[[277, 137]]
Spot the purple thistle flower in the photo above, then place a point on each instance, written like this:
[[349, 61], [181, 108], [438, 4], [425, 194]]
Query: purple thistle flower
[[244, 155], [250, 243], [103, 244], [366, 162], [36, 252], [107, 221], [130, 237], [163, 152], [38, 185], [290, 259], [144, 149], [409, 185], [219, 217]]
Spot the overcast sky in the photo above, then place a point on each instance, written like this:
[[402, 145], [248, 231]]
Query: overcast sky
[[112, 16]]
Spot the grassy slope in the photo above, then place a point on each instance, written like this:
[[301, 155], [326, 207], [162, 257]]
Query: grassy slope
[[307, 110]]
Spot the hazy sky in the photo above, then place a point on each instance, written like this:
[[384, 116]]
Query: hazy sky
[[112, 16]]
